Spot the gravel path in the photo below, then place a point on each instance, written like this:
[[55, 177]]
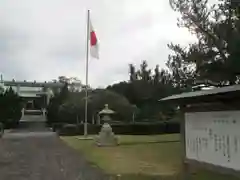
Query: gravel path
[[42, 156]]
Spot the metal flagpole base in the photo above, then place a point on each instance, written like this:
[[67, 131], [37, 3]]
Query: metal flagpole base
[[85, 136]]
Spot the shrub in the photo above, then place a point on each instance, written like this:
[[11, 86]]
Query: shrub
[[10, 109], [71, 129], [172, 127], [72, 108], [127, 129], [57, 126], [54, 105]]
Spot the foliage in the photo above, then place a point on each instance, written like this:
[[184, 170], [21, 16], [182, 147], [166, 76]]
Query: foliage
[[74, 108], [127, 128], [55, 103], [211, 60], [214, 57], [116, 102], [145, 88], [74, 84], [1, 89], [10, 108], [69, 107]]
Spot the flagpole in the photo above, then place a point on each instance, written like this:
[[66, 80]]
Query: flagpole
[[86, 88]]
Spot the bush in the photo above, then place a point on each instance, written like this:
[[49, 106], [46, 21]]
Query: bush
[[36, 112], [126, 129], [52, 111], [10, 109], [72, 108], [172, 127], [11, 123], [71, 129], [54, 105], [57, 126]]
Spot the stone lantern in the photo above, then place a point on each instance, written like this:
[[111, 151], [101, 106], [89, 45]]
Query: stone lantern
[[106, 137]]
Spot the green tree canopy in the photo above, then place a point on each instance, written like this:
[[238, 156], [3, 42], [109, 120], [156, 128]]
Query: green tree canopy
[[145, 88], [96, 101], [10, 108], [214, 57]]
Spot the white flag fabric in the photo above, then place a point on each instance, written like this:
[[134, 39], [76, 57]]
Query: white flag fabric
[[93, 42]]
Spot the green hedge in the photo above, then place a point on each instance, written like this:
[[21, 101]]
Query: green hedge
[[127, 129], [36, 112], [10, 108]]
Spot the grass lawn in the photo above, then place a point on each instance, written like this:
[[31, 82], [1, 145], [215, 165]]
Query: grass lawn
[[140, 157]]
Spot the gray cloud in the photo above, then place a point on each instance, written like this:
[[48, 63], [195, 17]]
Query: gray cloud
[[43, 39]]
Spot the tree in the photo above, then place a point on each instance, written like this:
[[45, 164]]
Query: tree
[[144, 73], [74, 106], [74, 83], [133, 73], [116, 102], [183, 73], [63, 79], [1, 89], [214, 56], [55, 103], [156, 78], [145, 90], [64, 93], [10, 108]]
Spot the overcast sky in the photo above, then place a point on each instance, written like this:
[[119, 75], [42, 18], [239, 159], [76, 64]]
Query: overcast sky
[[43, 39]]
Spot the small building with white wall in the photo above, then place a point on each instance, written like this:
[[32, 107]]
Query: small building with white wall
[[35, 95]]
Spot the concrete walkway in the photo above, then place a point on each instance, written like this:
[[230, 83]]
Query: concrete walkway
[[41, 155]]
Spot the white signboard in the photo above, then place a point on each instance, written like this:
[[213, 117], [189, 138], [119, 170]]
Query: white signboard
[[214, 137]]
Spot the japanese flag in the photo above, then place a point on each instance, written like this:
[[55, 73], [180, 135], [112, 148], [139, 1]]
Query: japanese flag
[[93, 42]]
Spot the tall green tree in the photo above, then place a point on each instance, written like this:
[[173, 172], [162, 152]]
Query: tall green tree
[[214, 57], [1, 89], [64, 93], [132, 73], [74, 84], [156, 78], [144, 73], [145, 90], [55, 103], [74, 106], [10, 108]]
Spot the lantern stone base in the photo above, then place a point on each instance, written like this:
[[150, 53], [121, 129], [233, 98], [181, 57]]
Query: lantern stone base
[[106, 136]]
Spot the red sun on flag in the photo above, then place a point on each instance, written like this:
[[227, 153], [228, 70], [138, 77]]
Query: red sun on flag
[[93, 43], [93, 38]]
